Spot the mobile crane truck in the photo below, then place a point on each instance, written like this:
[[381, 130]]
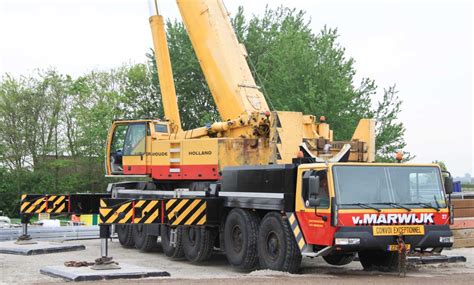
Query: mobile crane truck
[[266, 187]]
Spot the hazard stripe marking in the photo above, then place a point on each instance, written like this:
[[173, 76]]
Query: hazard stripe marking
[[177, 208], [58, 204], [196, 214], [186, 212], [34, 205], [129, 212], [202, 221], [296, 231]]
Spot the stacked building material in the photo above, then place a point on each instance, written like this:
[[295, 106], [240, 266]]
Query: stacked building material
[[463, 227]]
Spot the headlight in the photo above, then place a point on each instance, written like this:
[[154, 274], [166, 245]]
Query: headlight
[[347, 241], [446, 239]]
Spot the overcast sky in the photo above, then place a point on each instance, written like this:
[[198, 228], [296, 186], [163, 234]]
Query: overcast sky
[[425, 47]]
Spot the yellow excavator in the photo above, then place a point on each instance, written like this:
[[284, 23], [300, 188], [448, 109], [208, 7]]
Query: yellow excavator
[[249, 133]]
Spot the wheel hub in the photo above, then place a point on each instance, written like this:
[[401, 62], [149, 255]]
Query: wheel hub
[[192, 235], [237, 239], [273, 245]]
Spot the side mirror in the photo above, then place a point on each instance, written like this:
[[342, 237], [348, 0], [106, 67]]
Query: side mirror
[[313, 192], [448, 185]]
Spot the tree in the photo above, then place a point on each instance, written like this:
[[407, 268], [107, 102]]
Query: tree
[[441, 164], [389, 131]]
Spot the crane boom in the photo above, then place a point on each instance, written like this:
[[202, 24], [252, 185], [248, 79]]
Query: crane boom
[[165, 72], [222, 58]]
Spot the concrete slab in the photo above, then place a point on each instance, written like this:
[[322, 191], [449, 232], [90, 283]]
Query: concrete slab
[[127, 271], [436, 259], [432, 259], [41, 247]]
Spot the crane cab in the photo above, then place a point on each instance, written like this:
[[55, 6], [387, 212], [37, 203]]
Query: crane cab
[[129, 146]]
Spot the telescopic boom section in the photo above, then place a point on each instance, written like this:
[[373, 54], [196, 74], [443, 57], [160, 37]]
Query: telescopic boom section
[[222, 58], [165, 72]]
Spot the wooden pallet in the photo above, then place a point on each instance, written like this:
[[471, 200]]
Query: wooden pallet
[[463, 208], [463, 232]]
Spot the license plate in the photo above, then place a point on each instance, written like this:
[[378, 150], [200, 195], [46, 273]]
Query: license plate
[[394, 247], [397, 230]]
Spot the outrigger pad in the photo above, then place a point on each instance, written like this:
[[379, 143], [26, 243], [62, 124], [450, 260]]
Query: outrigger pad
[[126, 271], [40, 247]]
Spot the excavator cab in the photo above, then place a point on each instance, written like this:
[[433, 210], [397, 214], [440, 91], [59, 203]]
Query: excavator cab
[[128, 146]]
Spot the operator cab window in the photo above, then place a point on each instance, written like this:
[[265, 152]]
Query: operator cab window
[[323, 188], [116, 149], [161, 128], [135, 140]]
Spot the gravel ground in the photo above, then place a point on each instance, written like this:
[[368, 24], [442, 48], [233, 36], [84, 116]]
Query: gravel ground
[[17, 269]]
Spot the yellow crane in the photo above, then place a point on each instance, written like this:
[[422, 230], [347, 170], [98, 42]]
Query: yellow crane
[[266, 187], [249, 133]]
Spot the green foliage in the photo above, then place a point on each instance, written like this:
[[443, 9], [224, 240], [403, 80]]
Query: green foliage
[[390, 132], [441, 164]]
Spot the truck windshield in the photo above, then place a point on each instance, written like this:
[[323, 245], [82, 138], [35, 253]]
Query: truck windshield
[[409, 186]]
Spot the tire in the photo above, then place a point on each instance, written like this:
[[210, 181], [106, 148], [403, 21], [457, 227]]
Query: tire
[[168, 249], [277, 248], [240, 239], [143, 241], [339, 259], [379, 260], [125, 236], [198, 243]]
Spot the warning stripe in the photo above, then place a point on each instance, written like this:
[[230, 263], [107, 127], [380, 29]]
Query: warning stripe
[[34, 206], [58, 204], [186, 212], [150, 211], [296, 231], [130, 212], [197, 214], [43, 204], [115, 214], [177, 207]]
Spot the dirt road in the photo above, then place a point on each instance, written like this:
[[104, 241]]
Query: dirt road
[[17, 269]]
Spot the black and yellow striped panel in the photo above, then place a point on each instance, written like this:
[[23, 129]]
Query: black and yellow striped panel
[[296, 231], [117, 214], [147, 212], [33, 204], [56, 204], [186, 211]]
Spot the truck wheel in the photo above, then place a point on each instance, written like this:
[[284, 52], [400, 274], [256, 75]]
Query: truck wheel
[[277, 248], [379, 260], [168, 249], [198, 243], [240, 238], [125, 236], [339, 258], [142, 240]]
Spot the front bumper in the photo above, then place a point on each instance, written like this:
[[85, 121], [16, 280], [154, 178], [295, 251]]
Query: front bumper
[[368, 241]]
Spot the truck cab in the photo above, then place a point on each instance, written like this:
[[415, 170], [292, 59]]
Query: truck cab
[[365, 208]]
